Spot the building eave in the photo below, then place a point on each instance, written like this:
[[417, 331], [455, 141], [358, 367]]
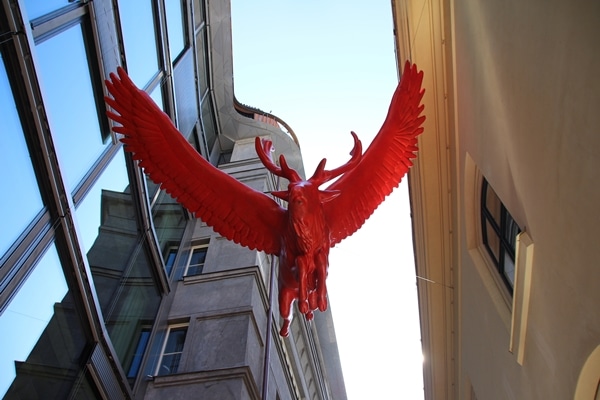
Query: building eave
[[421, 37]]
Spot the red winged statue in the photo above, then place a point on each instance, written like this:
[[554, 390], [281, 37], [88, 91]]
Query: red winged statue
[[315, 219]]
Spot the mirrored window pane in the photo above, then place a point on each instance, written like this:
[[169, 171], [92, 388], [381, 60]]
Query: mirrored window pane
[[186, 95], [201, 44], [16, 171], [42, 336], [169, 219], [37, 8], [139, 37], [90, 211], [157, 96], [208, 122], [175, 27], [493, 204], [168, 216], [122, 270], [509, 269], [493, 241], [70, 103], [198, 12]]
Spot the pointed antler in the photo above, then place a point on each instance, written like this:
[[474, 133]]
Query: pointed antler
[[264, 147], [321, 175]]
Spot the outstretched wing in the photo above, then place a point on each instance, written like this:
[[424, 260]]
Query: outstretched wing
[[384, 163], [234, 210]]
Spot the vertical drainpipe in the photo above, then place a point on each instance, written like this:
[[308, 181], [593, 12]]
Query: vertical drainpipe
[[269, 332]]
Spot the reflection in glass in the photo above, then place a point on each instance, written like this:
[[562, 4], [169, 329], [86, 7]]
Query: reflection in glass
[[117, 252], [198, 13], [208, 121], [70, 103], [90, 210], [169, 219], [42, 336], [175, 27], [186, 96], [202, 62], [509, 269], [493, 241], [168, 216], [139, 37], [140, 349], [170, 260], [37, 8], [493, 204], [16, 171], [156, 95]]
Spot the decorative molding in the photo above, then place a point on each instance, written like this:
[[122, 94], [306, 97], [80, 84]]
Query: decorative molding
[[191, 378], [521, 295]]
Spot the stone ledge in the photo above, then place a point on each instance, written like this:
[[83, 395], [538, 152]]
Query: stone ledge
[[213, 376]]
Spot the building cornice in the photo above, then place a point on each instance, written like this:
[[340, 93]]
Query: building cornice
[[420, 29]]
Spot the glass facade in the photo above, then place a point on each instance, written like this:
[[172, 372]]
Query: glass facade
[[140, 39], [15, 157], [175, 27], [86, 253], [70, 102], [36, 8]]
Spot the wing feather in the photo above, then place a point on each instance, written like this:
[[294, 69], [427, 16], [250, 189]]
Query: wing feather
[[384, 163], [232, 209]]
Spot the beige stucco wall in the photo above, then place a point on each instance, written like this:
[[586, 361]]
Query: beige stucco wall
[[523, 110], [528, 96]]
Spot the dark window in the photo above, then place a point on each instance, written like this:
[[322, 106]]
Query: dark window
[[140, 349], [170, 260], [499, 231], [173, 348], [196, 263]]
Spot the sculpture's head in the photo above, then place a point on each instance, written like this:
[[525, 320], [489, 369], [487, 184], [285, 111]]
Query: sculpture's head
[[304, 193]]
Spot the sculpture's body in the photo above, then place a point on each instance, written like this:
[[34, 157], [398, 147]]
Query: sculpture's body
[[315, 219]]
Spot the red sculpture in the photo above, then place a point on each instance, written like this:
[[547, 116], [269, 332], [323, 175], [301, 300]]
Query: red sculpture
[[315, 219]]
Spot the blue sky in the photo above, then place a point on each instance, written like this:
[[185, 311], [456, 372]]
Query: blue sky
[[326, 68]]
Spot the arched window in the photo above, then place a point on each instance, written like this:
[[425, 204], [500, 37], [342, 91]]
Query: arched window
[[588, 384]]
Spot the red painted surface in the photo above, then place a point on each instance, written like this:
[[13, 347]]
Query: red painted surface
[[315, 219]]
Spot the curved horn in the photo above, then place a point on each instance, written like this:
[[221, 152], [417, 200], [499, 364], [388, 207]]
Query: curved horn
[[264, 147], [321, 175]]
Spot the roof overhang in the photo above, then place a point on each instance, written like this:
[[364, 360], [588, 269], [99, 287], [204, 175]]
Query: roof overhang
[[422, 36]]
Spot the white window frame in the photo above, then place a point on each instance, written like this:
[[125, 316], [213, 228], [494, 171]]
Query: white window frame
[[164, 345], [187, 264]]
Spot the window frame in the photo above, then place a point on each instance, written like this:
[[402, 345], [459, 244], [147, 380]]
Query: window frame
[[502, 230], [170, 329], [203, 246]]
